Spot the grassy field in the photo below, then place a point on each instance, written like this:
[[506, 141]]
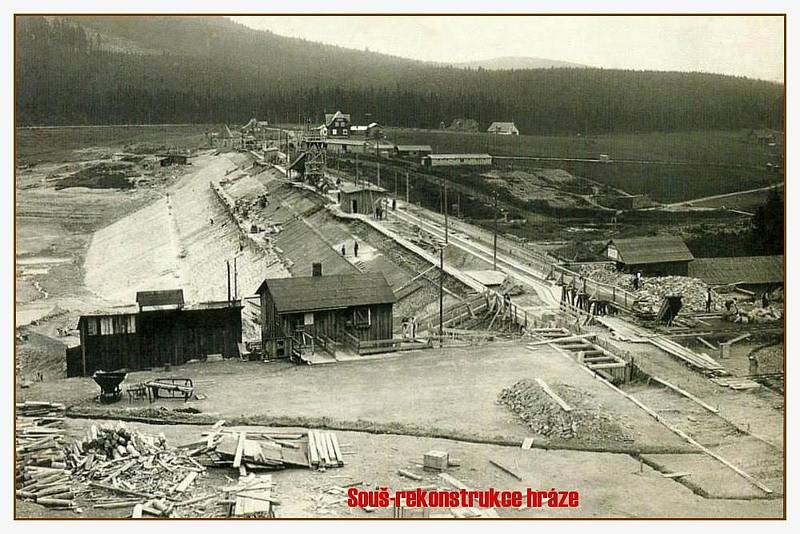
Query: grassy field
[[677, 166], [56, 144]]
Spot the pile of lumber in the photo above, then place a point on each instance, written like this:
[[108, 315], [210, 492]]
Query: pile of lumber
[[736, 383], [41, 472], [265, 450], [253, 496], [699, 360], [122, 468]]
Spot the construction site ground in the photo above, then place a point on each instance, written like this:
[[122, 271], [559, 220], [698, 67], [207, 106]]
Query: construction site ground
[[88, 249], [610, 485]]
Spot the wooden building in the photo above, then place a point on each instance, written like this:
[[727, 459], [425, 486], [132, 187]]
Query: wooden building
[[346, 146], [503, 128], [371, 131], [157, 332], [339, 309], [173, 159], [338, 124], [752, 273], [361, 199], [456, 160], [654, 256], [415, 152]]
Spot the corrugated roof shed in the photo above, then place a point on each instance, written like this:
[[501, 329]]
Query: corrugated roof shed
[[747, 270], [656, 249], [313, 293], [166, 297]]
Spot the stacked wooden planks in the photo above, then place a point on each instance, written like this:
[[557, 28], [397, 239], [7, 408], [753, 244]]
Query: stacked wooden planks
[[695, 359], [257, 450], [253, 497], [736, 383], [41, 473], [324, 450]]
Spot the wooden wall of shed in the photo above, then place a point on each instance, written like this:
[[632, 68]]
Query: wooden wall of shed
[[365, 201], [162, 337]]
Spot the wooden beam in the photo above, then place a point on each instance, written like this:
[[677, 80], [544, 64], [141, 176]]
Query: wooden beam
[[237, 459], [564, 406], [505, 468], [686, 394], [739, 338], [706, 343]]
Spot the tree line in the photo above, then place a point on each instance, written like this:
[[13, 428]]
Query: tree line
[[117, 70]]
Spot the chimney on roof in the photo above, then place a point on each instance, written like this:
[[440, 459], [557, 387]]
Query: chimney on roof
[[316, 269]]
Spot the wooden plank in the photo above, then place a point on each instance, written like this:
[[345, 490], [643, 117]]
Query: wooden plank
[[409, 474], [675, 475], [313, 456], [137, 511], [552, 394], [453, 481], [505, 468], [527, 443], [686, 394], [184, 485], [337, 449], [563, 339], [322, 449], [237, 458], [739, 338], [706, 343]]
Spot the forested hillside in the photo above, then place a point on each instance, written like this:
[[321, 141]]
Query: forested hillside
[[104, 70]]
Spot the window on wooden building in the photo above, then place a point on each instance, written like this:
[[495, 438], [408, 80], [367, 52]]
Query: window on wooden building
[[362, 317]]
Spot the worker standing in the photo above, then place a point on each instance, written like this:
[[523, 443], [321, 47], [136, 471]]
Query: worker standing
[[765, 300], [753, 360], [355, 248], [344, 250], [709, 300]]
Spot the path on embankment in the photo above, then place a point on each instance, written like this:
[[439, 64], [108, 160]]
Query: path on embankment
[[183, 240]]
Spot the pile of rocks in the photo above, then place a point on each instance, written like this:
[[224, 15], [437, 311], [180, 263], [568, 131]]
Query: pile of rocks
[[585, 422], [652, 290]]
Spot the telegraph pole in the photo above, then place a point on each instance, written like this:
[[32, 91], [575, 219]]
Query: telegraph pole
[[228, 263], [441, 295], [494, 254], [446, 226], [406, 188]]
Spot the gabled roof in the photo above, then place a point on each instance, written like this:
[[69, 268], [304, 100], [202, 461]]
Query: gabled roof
[[502, 126], [656, 249], [458, 156], [329, 117], [746, 270], [414, 148], [315, 293], [352, 188], [166, 297]]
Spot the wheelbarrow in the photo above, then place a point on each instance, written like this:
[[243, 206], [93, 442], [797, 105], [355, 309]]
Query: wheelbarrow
[[109, 382]]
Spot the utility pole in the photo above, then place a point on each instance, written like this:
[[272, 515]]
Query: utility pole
[[235, 280], [441, 295], [446, 226], [395, 184], [228, 263], [378, 156], [494, 254], [357, 179], [406, 188]]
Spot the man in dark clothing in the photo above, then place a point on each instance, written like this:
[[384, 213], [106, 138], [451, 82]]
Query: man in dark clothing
[[709, 300], [344, 250], [765, 300], [355, 248]]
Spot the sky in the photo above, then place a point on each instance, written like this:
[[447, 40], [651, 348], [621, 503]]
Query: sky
[[738, 45]]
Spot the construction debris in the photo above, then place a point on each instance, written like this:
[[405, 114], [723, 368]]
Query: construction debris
[[41, 471], [653, 290], [547, 418], [436, 460]]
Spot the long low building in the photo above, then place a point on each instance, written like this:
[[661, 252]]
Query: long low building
[[754, 273], [456, 160], [662, 255], [161, 329]]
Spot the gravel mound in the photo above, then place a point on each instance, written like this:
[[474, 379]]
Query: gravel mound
[[586, 422]]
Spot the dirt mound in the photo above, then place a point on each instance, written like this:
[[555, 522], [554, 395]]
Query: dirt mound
[[586, 422]]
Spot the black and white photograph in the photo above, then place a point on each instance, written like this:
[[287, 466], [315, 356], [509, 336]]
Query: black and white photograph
[[398, 266]]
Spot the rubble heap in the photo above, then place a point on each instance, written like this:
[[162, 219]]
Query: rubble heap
[[546, 418], [652, 291]]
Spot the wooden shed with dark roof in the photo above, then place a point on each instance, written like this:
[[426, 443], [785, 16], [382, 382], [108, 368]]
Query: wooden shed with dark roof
[[665, 255], [324, 311], [754, 273]]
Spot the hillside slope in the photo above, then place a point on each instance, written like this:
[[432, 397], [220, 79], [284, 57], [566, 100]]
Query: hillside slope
[[136, 69]]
